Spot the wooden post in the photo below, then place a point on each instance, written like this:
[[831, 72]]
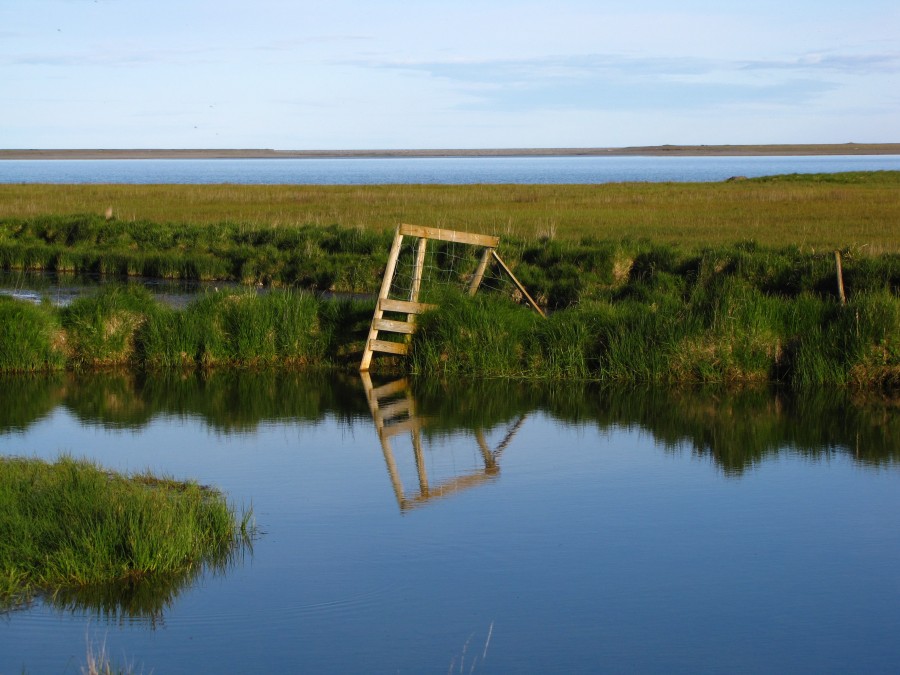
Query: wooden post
[[393, 256], [420, 462], [518, 285], [479, 272], [417, 276], [840, 277]]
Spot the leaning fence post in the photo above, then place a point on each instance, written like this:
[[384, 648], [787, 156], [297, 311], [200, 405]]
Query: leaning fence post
[[840, 277]]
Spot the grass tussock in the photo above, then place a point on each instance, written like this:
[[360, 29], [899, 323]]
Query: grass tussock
[[72, 524]]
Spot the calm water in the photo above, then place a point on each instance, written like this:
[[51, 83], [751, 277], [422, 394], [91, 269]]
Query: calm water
[[62, 289], [513, 527], [429, 170]]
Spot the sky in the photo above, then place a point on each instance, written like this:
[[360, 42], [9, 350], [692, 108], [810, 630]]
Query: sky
[[349, 74]]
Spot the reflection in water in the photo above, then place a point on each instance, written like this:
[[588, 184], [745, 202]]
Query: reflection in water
[[604, 542], [393, 409], [736, 429], [137, 601]]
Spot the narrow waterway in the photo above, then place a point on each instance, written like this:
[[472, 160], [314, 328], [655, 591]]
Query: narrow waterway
[[414, 526]]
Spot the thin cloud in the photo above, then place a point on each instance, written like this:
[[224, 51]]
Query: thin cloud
[[842, 63], [609, 82], [113, 59]]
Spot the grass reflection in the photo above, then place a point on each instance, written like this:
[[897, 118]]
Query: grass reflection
[[737, 428]]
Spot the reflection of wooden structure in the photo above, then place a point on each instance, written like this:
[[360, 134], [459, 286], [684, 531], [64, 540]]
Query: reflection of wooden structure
[[394, 412], [410, 307]]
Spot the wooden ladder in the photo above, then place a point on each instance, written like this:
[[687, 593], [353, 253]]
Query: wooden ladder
[[394, 412], [412, 307]]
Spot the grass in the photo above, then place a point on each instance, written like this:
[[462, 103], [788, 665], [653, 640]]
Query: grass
[[72, 525], [639, 313], [724, 282], [819, 211]]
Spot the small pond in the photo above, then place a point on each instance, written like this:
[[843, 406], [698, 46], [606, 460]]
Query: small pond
[[488, 526]]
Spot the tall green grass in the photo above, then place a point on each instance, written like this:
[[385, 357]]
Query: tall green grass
[[735, 334], [31, 337], [73, 524], [622, 311]]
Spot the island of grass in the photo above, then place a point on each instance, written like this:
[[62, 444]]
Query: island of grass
[[69, 530]]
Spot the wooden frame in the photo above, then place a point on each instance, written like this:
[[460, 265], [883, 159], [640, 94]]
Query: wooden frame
[[412, 307], [393, 410]]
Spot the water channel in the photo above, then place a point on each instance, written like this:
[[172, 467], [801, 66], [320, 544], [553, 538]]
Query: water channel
[[488, 526]]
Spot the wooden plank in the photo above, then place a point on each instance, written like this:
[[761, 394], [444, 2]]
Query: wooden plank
[[417, 273], [389, 389], [448, 488], [449, 235], [400, 407], [391, 326], [389, 270], [479, 272], [518, 284], [403, 306], [388, 347], [401, 427]]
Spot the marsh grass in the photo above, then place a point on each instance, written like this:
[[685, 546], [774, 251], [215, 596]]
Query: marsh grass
[[824, 211], [31, 337], [337, 237], [621, 311], [71, 524]]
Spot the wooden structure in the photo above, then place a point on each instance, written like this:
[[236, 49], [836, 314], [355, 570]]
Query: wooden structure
[[411, 306], [394, 413]]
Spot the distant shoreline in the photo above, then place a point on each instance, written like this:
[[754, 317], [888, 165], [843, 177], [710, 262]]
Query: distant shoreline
[[637, 151]]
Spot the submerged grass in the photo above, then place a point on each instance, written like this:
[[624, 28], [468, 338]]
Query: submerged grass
[[73, 524]]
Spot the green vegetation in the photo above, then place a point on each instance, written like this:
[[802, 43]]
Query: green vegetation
[[646, 282], [627, 311], [71, 528], [735, 426], [167, 228]]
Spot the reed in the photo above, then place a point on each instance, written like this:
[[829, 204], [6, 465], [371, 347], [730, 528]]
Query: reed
[[73, 524]]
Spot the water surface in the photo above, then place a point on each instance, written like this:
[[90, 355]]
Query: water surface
[[411, 526], [433, 170]]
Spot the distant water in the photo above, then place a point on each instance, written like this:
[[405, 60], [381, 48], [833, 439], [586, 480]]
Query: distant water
[[443, 170]]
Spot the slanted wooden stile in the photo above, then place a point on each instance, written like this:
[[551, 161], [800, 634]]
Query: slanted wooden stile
[[412, 307]]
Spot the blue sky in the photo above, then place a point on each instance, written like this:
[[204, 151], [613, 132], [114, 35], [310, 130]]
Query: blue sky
[[345, 74]]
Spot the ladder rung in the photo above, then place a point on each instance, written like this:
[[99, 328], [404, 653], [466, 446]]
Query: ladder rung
[[393, 410], [389, 347], [401, 427], [403, 306], [394, 326]]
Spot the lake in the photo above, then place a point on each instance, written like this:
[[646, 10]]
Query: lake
[[489, 526], [441, 170]]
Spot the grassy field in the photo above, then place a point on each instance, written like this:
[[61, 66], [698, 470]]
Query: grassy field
[[72, 525], [809, 211]]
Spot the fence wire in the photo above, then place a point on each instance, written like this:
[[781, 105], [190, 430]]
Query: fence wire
[[449, 265]]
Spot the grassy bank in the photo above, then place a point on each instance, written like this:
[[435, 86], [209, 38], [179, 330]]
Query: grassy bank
[[649, 313], [809, 211], [71, 524]]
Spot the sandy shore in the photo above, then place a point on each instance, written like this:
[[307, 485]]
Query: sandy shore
[[646, 151]]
